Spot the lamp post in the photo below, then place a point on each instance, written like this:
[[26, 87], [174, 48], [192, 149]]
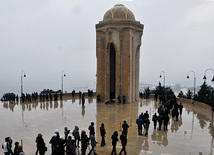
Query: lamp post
[[163, 77], [22, 75], [206, 77], [194, 81], [63, 74]]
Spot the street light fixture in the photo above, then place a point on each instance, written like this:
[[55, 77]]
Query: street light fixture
[[22, 75], [194, 81], [206, 77], [63, 75], [163, 77]]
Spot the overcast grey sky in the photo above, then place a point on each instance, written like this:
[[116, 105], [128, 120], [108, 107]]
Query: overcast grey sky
[[46, 37]]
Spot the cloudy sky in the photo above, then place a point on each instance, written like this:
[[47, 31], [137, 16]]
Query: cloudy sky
[[46, 37]]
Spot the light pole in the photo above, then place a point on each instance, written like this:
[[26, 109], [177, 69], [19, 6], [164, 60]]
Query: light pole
[[22, 75], [63, 74], [194, 81], [163, 77], [206, 77]]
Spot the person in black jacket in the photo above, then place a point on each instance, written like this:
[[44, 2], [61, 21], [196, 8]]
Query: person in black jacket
[[41, 148], [114, 138], [102, 134], [123, 139], [55, 144], [125, 127], [146, 124], [84, 142], [155, 119]]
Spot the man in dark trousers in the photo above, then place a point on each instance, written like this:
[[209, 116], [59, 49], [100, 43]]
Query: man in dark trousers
[[102, 134], [146, 124], [160, 120], [166, 120], [181, 108], [155, 119], [139, 123], [114, 143], [125, 127], [123, 139], [91, 129]]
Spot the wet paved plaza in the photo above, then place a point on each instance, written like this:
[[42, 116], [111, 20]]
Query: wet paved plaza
[[192, 134]]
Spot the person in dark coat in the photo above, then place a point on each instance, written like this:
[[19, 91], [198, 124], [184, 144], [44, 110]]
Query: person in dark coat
[[98, 98], [93, 144], [61, 146], [123, 139], [176, 114], [139, 123], [125, 127], [181, 108], [146, 115], [84, 142], [66, 132], [166, 120], [83, 100], [70, 148], [16, 152], [146, 124], [91, 129], [160, 121], [76, 136], [114, 138], [41, 148], [55, 144], [102, 134], [155, 119]]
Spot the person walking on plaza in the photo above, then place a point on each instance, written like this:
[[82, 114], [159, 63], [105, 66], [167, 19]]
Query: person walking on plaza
[[41, 148], [146, 124], [114, 138], [123, 139], [83, 100], [165, 121], [139, 123], [125, 127], [76, 136], [91, 129], [102, 134], [181, 108], [55, 144], [160, 121], [155, 119], [93, 144], [84, 142]]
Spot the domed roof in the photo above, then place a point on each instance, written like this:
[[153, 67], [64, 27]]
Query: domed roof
[[119, 12]]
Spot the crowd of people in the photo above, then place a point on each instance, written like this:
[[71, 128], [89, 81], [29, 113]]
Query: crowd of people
[[73, 138], [67, 144], [7, 147], [168, 107]]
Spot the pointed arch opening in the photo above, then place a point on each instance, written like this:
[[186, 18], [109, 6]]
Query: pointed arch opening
[[112, 70]]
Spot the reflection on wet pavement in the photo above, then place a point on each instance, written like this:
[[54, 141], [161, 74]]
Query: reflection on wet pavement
[[191, 134]]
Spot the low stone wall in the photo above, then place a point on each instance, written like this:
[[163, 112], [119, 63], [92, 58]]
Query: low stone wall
[[205, 107]]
